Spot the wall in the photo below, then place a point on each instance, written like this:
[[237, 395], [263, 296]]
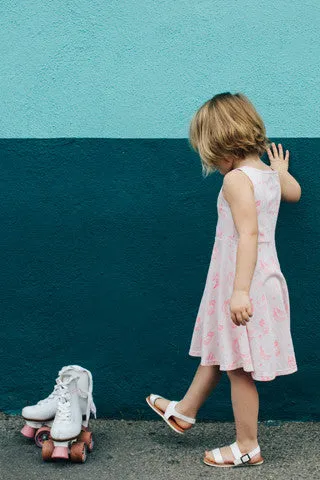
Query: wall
[[107, 224]]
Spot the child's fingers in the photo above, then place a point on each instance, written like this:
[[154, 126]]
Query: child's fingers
[[275, 151], [249, 310], [280, 150], [240, 319], [269, 154], [234, 318], [245, 316], [287, 156]]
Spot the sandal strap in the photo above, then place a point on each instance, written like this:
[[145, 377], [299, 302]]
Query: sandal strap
[[242, 458], [153, 397], [172, 412], [216, 453]]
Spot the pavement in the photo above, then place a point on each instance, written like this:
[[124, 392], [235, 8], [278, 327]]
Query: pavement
[[143, 450]]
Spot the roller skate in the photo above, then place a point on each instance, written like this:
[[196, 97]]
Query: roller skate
[[39, 417], [70, 437]]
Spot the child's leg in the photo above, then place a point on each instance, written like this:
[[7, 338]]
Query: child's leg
[[245, 404], [204, 381]]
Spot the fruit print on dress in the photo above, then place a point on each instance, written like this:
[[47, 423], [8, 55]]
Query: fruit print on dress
[[279, 315], [215, 280], [264, 326], [276, 348], [208, 338], [264, 345], [291, 361], [198, 324], [212, 307]]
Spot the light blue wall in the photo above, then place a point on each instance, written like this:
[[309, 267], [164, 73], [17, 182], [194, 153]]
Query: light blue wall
[[139, 68]]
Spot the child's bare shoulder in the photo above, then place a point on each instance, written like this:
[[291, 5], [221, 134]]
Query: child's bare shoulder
[[235, 179]]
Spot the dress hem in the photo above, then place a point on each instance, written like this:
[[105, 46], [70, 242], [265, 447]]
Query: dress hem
[[262, 377]]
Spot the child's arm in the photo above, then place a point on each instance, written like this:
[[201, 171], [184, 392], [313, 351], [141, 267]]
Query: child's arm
[[290, 188], [239, 193]]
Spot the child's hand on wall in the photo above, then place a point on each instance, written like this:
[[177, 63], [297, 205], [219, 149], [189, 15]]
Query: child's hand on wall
[[277, 161], [240, 307]]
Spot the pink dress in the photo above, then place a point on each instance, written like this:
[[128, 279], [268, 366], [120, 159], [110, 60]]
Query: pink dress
[[264, 346]]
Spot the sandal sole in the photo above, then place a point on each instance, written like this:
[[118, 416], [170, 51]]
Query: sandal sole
[[227, 465], [161, 414]]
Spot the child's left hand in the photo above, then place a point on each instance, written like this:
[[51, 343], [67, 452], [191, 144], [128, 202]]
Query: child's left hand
[[240, 307]]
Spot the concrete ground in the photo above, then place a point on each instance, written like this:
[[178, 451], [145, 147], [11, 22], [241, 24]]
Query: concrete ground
[[144, 450]]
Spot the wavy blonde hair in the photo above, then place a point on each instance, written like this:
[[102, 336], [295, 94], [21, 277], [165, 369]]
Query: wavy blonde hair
[[227, 126]]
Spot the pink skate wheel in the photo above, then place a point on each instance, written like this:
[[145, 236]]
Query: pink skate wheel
[[28, 431], [47, 449], [60, 452], [78, 452], [41, 436], [86, 437]]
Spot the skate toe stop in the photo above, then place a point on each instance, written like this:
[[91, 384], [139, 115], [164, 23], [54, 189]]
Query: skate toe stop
[[60, 452], [28, 431]]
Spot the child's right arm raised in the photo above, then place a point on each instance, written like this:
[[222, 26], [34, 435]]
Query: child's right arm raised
[[290, 188]]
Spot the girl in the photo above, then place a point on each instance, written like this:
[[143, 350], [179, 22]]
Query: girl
[[243, 322]]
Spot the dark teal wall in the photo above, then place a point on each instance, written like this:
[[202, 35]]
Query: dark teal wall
[[105, 246]]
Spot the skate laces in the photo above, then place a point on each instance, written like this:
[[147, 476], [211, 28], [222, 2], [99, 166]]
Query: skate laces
[[64, 405], [60, 391], [93, 408], [55, 393]]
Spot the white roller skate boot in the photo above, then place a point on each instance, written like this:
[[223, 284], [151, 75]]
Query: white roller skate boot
[[70, 437], [39, 417]]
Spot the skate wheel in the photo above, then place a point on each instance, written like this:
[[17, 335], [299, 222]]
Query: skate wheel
[[86, 437], [47, 449], [78, 452], [41, 436]]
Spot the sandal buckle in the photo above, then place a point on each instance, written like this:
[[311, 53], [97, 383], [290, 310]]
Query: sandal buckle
[[247, 459]]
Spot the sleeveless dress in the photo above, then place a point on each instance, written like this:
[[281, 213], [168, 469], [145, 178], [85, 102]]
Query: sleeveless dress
[[264, 345]]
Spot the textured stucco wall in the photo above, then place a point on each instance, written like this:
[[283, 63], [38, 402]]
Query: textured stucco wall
[[140, 68], [105, 246], [106, 223]]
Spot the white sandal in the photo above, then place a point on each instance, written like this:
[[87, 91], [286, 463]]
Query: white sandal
[[240, 459], [169, 412]]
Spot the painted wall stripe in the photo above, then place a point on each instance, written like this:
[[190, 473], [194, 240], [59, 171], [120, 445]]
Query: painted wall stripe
[[105, 246], [140, 69]]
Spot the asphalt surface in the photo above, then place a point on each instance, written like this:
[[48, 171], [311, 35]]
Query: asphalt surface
[[140, 450]]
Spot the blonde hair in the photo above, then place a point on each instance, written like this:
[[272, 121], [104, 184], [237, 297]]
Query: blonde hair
[[227, 126]]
